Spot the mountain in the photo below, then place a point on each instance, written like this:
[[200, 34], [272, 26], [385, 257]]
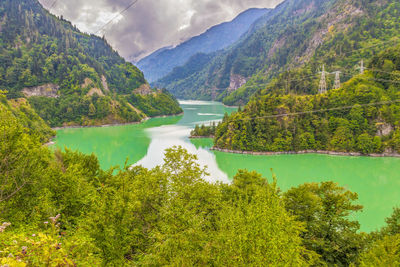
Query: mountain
[[297, 33], [70, 78], [363, 115], [163, 61]]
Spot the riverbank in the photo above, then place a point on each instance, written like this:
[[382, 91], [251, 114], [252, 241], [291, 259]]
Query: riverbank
[[114, 124], [323, 152], [200, 137]]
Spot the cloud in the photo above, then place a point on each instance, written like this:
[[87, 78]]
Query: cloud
[[150, 24]]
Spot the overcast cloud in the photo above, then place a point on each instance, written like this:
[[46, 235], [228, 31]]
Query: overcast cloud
[[150, 24]]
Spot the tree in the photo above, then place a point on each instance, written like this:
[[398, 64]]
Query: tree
[[324, 208], [393, 223], [342, 140], [365, 144], [21, 160], [383, 252], [254, 227]]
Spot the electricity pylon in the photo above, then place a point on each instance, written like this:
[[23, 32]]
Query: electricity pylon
[[322, 83], [337, 79], [361, 67]]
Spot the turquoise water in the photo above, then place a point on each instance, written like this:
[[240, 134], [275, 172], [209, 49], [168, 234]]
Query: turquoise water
[[376, 180]]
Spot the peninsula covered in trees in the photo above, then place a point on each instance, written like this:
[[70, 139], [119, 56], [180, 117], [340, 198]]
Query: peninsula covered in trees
[[361, 116]]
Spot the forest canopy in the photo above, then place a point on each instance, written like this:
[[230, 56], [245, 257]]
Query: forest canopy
[[63, 209]]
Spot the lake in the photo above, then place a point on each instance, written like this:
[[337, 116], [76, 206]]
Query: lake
[[376, 180]]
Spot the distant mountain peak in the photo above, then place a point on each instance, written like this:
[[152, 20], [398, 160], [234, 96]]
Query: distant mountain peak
[[164, 60]]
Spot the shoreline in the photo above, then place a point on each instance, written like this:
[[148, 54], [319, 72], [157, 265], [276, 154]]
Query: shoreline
[[51, 142], [201, 137], [114, 124], [321, 152]]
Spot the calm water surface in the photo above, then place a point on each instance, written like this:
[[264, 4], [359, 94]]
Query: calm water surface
[[376, 180]]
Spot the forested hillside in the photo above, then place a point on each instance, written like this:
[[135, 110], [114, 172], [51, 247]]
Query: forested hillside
[[61, 209], [296, 34], [27, 117], [69, 77], [163, 61], [363, 115]]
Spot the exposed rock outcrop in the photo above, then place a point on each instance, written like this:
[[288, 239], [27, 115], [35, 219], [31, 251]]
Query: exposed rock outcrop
[[144, 89], [384, 129], [93, 90], [276, 46], [237, 81], [46, 90], [105, 84], [88, 82], [333, 22]]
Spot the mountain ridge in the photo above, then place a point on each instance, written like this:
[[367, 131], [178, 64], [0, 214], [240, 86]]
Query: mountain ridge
[[220, 36], [69, 77], [295, 33]]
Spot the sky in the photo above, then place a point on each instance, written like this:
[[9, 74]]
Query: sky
[[150, 24]]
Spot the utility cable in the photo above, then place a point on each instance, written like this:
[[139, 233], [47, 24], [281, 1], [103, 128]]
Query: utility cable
[[319, 111], [119, 14]]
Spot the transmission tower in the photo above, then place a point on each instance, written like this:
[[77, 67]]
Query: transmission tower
[[322, 83], [337, 79], [361, 67]]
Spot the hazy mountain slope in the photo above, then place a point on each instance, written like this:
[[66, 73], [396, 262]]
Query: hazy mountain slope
[[163, 61], [248, 55], [349, 32], [69, 77], [293, 34]]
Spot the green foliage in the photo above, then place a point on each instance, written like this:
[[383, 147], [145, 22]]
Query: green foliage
[[345, 120], [36, 48], [393, 223], [22, 111], [45, 247], [382, 253], [156, 104], [169, 215], [204, 131], [296, 35], [325, 209]]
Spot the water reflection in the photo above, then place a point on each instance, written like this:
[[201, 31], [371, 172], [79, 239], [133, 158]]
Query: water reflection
[[175, 135]]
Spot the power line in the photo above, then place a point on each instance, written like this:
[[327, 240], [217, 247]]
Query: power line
[[387, 72], [119, 14], [54, 3], [380, 80], [319, 111], [348, 73], [349, 52]]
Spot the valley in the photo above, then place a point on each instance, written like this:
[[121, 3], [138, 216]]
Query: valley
[[145, 144], [282, 150]]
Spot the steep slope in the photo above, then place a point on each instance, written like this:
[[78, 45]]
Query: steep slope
[[163, 61], [294, 34], [69, 77], [22, 111], [361, 116]]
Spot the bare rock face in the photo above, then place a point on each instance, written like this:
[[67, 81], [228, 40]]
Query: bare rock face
[[105, 84], [46, 90], [144, 89], [384, 129], [237, 81], [88, 83], [95, 91]]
